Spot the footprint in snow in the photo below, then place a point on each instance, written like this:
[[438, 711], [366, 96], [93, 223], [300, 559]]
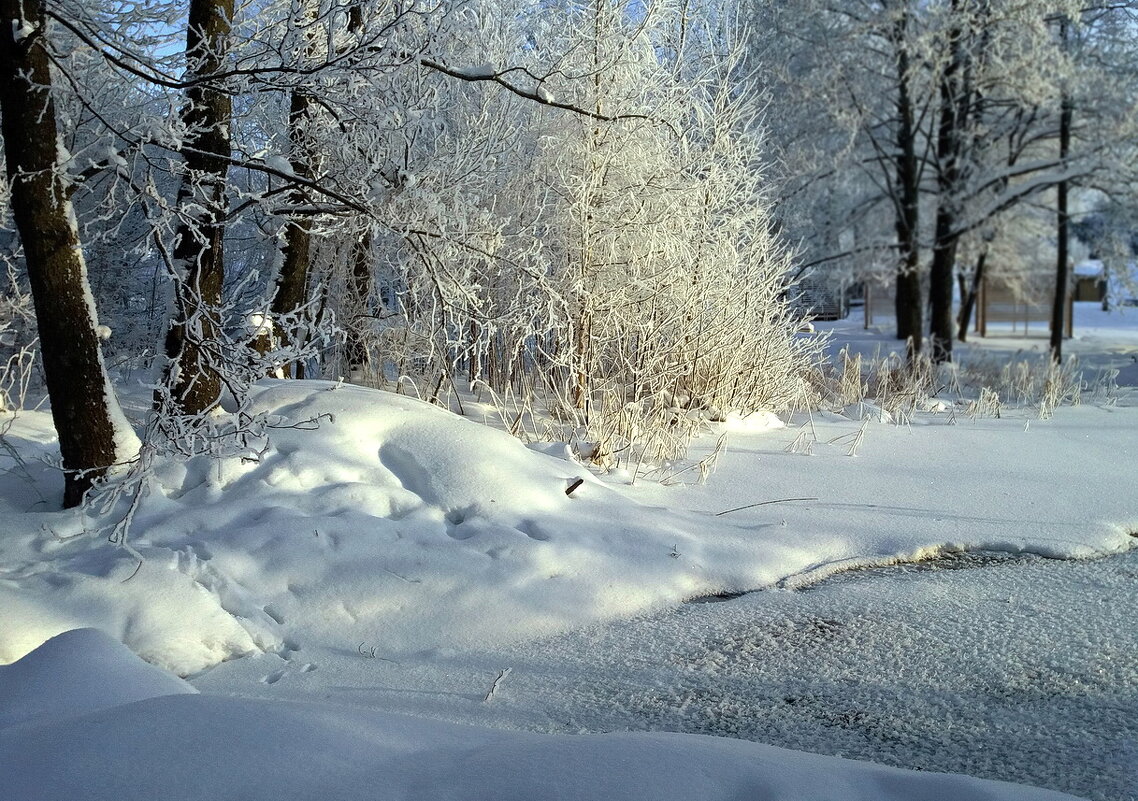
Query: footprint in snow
[[272, 612], [273, 677]]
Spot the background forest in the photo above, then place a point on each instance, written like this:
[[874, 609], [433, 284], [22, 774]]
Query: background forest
[[594, 215]]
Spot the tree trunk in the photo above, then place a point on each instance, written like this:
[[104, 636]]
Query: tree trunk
[[908, 299], [291, 291], [356, 347], [1062, 276], [940, 287], [82, 405], [292, 282], [199, 240], [969, 302], [954, 92]]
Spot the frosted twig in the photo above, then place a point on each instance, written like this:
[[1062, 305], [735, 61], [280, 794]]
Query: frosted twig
[[802, 444], [761, 503], [502, 674], [853, 439], [369, 652], [400, 577], [135, 573]]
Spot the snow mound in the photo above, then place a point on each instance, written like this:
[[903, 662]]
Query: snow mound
[[366, 517], [159, 612], [189, 747], [372, 518], [76, 672]]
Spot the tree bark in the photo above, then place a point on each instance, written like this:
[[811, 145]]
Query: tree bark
[[954, 91], [356, 347], [291, 291], [199, 239], [1062, 274], [82, 406], [908, 295], [970, 297]]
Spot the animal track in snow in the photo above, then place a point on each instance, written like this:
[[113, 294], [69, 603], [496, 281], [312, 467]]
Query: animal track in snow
[[460, 523], [272, 612], [350, 611], [533, 531], [273, 677], [460, 532]]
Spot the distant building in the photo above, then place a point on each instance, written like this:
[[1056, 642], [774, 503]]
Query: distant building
[[1090, 281]]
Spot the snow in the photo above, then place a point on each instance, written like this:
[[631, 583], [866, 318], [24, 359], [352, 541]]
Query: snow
[[125, 439], [259, 323], [115, 157], [167, 743], [279, 164], [382, 555], [77, 672], [21, 30], [1091, 268], [483, 71]]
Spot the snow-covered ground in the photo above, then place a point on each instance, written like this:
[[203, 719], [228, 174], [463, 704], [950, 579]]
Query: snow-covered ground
[[1012, 667], [391, 557]]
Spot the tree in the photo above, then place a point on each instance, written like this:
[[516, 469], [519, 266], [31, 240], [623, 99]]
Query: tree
[[953, 107], [850, 99], [93, 434], [906, 194], [1063, 221], [955, 101], [415, 165], [290, 293], [199, 242]]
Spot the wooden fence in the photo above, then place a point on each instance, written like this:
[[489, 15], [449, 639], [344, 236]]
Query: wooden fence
[[1000, 308], [880, 304], [1026, 314]]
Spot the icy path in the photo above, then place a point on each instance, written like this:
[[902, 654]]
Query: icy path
[[1024, 670]]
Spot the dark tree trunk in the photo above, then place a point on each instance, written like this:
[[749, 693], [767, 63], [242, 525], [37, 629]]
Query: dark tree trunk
[[292, 282], [954, 92], [969, 303], [907, 305], [356, 347], [908, 299], [1062, 276], [940, 286], [77, 385], [199, 240]]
